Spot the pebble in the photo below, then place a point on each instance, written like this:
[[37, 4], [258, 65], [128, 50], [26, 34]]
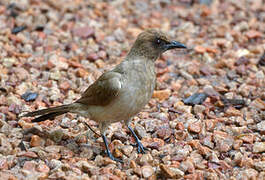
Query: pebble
[[171, 172], [3, 164], [146, 159], [141, 132], [197, 98], [195, 127], [261, 126], [260, 166], [29, 154], [58, 62], [162, 95], [8, 62], [36, 141], [83, 32], [147, 171], [259, 147], [81, 73], [29, 96], [11, 99], [127, 150], [258, 103], [56, 135], [6, 147]]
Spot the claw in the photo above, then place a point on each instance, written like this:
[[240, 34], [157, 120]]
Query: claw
[[113, 158], [108, 151], [140, 147]]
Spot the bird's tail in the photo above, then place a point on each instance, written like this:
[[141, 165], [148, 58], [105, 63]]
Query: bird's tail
[[49, 113]]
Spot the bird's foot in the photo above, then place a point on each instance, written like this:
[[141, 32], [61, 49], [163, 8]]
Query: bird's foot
[[140, 147], [113, 158]]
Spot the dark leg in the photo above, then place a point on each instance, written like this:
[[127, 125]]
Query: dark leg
[[108, 151], [140, 147]]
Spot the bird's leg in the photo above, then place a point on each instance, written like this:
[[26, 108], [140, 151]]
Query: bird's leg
[[108, 151], [140, 147]]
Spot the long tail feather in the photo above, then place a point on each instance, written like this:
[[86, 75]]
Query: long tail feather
[[49, 113], [50, 116]]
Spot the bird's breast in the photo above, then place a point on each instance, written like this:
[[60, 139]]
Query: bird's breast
[[138, 87]]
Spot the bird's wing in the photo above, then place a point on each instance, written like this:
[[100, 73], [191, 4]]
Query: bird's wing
[[103, 90]]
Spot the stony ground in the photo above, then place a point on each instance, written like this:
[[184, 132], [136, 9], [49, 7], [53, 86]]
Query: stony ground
[[50, 51]]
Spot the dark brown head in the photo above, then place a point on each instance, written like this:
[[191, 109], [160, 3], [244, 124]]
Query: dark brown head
[[152, 43]]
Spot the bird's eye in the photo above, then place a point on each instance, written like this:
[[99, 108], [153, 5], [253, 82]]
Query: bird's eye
[[158, 41]]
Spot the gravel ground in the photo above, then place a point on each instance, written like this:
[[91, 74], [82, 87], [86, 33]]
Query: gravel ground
[[206, 117]]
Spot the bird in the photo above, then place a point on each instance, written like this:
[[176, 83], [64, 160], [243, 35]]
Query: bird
[[121, 93]]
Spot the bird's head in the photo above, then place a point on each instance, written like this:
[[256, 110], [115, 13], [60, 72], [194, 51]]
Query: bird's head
[[152, 43]]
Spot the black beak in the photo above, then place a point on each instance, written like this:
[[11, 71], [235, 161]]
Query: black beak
[[175, 44]]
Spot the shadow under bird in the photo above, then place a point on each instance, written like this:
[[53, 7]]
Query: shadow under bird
[[121, 93]]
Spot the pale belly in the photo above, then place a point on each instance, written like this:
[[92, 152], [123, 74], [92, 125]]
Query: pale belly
[[131, 100]]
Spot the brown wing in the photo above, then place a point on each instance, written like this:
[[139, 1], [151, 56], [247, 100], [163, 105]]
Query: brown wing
[[103, 90]]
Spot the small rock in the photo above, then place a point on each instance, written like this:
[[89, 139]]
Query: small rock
[[259, 147], [120, 136], [107, 161], [18, 29], [65, 85], [102, 54], [171, 172], [260, 166], [100, 64], [187, 166], [127, 150], [13, 100], [199, 109], [145, 159], [164, 133], [156, 143], [247, 138], [237, 144], [29, 165], [83, 32], [56, 75], [147, 171], [29, 154], [22, 74], [5, 147], [86, 153], [261, 126], [82, 72], [86, 167], [29, 96], [43, 168], [242, 52], [262, 60], [58, 62], [231, 111], [36, 141], [140, 131], [3, 164], [162, 94], [53, 149], [195, 127], [56, 135], [117, 153], [200, 49], [253, 34], [55, 164], [197, 98], [8, 62], [258, 103], [92, 57]]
